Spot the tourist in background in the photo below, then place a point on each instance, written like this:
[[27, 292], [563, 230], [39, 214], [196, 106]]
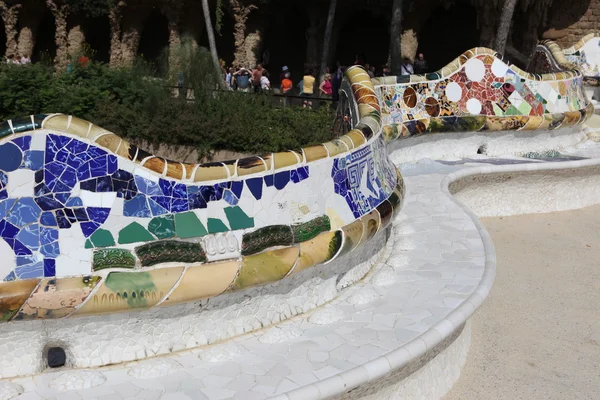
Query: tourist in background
[[285, 70], [256, 75], [229, 78], [25, 60], [265, 83], [406, 67], [421, 65], [242, 80], [326, 87], [370, 70], [286, 83], [336, 82], [308, 85]]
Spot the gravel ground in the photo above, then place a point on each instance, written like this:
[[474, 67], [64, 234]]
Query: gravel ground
[[537, 336]]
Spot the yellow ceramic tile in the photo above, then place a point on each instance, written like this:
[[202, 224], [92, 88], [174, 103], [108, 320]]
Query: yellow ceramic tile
[[112, 143], [571, 118], [96, 132], [347, 141], [371, 223], [335, 147], [175, 170], [204, 281], [284, 159], [126, 291], [57, 298], [318, 250], [314, 153], [155, 164], [56, 122], [211, 173], [250, 165], [13, 295], [534, 123], [352, 236], [266, 267], [357, 137], [79, 127]]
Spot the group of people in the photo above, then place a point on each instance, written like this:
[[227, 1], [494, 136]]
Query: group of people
[[258, 80], [11, 59]]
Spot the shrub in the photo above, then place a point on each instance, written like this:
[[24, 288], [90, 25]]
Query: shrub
[[129, 102]]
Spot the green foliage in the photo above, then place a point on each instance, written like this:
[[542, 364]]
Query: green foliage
[[130, 103], [90, 8]]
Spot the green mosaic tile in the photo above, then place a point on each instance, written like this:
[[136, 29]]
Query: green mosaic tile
[[88, 244], [269, 236], [238, 219], [102, 238], [133, 233], [132, 283], [187, 225], [215, 225], [162, 227], [310, 229], [113, 258], [170, 251]]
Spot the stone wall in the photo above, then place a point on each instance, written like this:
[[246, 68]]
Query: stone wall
[[570, 21]]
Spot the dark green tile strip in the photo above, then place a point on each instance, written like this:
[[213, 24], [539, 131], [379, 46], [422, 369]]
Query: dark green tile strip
[[170, 251], [269, 236], [113, 258], [308, 230]]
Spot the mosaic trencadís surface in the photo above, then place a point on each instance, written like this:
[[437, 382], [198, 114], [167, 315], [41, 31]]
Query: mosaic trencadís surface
[[480, 92], [583, 55], [91, 224]]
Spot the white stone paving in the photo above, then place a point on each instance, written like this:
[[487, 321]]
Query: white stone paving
[[434, 265]]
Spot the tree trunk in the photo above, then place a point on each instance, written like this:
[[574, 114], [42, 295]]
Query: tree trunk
[[10, 16], [327, 37], [211, 41], [504, 27], [395, 41], [240, 15], [60, 17], [312, 37], [114, 19]]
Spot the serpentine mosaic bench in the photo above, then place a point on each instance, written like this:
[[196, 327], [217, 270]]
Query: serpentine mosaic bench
[[584, 55], [93, 225]]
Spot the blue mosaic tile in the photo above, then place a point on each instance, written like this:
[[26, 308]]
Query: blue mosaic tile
[[26, 260], [23, 142], [148, 187], [303, 173], [98, 214], [268, 180], [196, 201], [10, 277], [30, 236], [3, 180], [33, 160], [3, 194], [50, 250], [74, 202], [237, 187], [255, 185], [98, 166], [192, 189], [47, 219], [80, 214], [24, 212], [88, 228], [48, 235], [69, 177], [18, 248], [48, 203], [209, 193], [62, 219], [230, 198], [49, 268], [179, 205], [10, 157], [39, 176], [137, 207], [113, 164], [155, 208], [294, 176], [62, 197], [163, 201], [6, 206], [281, 179], [30, 271]]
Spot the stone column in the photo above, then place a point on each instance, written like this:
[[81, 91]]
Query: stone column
[[60, 13], [245, 45], [29, 22], [173, 14], [132, 26], [10, 17], [114, 19], [414, 21], [75, 37]]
